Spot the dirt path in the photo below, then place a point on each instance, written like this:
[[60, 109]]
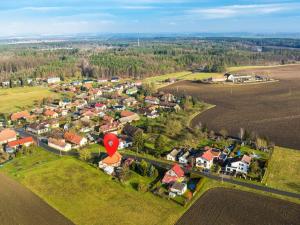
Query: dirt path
[[221, 206], [19, 206]]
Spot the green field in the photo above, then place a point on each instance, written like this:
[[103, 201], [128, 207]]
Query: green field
[[86, 195], [16, 99], [283, 170]]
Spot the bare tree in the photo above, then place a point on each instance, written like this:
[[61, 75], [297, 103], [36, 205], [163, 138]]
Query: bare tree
[[241, 134]]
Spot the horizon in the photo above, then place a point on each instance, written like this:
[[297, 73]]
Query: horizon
[[65, 17]]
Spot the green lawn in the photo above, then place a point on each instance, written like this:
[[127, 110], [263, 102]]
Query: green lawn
[[283, 170], [14, 99], [86, 195]]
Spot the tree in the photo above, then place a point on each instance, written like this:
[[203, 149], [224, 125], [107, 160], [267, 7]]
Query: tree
[[241, 134], [261, 143], [160, 143], [138, 141], [149, 88], [173, 127], [85, 154]]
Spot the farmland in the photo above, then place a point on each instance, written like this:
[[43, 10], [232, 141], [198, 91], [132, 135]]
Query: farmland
[[25, 207], [87, 196], [15, 99], [270, 110], [214, 207], [283, 170]]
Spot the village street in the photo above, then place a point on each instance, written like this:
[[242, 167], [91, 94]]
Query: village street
[[218, 177]]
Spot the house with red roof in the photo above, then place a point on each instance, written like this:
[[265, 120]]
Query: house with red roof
[[27, 141], [20, 115], [100, 106], [205, 160], [75, 139], [175, 174], [50, 113], [109, 163], [7, 135]]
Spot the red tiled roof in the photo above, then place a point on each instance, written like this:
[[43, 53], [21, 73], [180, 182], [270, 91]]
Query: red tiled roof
[[20, 142], [49, 112], [73, 138], [7, 134], [126, 113], [177, 169], [111, 160], [20, 115], [99, 105], [208, 155]]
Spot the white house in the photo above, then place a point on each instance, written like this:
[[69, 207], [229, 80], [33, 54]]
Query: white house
[[125, 143], [184, 158], [53, 80], [178, 188], [59, 144], [239, 165], [205, 160], [172, 155]]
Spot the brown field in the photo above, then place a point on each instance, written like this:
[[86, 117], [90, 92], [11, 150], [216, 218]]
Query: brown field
[[19, 206], [270, 110], [227, 206]]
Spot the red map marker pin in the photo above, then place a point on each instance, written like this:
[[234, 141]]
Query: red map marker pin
[[111, 143]]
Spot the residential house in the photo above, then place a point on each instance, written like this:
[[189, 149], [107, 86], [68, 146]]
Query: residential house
[[131, 91], [238, 164], [125, 143], [59, 144], [102, 80], [38, 128], [27, 141], [129, 101], [20, 115], [128, 117], [130, 130], [50, 113], [100, 106], [114, 79], [205, 160], [151, 100], [7, 135], [109, 163], [53, 80], [75, 140], [168, 98], [172, 156], [109, 128], [175, 174], [178, 188], [184, 158]]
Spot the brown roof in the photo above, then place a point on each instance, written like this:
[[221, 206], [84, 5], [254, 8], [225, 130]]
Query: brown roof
[[73, 138], [58, 142], [126, 113], [7, 134]]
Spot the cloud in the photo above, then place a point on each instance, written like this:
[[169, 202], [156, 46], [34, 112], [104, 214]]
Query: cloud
[[242, 10]]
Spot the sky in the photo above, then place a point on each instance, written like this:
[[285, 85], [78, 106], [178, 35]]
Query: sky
[[64, 17]]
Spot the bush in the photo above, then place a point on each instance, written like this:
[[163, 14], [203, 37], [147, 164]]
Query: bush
[[142, 187]]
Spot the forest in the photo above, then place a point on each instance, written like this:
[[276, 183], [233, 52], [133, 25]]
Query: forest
[[153, 56]]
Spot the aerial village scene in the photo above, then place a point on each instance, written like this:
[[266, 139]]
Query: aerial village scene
[[143, 119]]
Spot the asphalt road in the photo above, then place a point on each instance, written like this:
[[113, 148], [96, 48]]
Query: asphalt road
[[220, 177]]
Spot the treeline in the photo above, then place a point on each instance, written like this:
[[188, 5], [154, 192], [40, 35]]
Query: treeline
[[152, 57]]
